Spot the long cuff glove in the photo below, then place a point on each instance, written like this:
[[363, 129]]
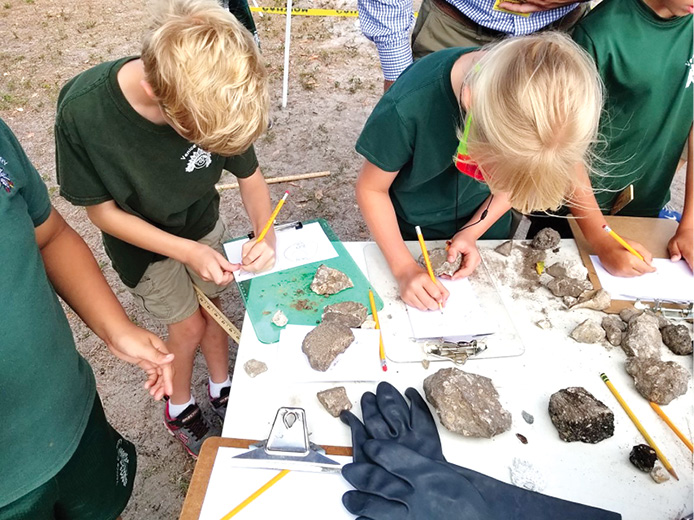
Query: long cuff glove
[[387, 416]]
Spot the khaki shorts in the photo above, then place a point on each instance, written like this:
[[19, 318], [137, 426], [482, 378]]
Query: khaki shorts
[[166, 291]]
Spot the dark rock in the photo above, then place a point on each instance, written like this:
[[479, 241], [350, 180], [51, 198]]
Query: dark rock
[[677, 339], [527, 417], [643, 457], [578, 416], [642, 338], [546, 238], [350, 314], [324, 343], [505, 248], [439, 262], [335, 400], [658, 381], [466, 403], [522, 438], [330, 281], [614, 329], [569, 287], [588, 332]]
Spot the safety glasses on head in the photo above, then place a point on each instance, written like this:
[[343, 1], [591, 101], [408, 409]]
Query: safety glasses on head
[[463, 162]]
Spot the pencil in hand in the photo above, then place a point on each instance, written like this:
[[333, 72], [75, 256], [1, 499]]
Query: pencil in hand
[[427, 262], [623, 242], [272, 218]]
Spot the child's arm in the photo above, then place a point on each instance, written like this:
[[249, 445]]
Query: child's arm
[[680, 245], [208, 263], [615, 258], [416, 288], [256, 199], [76, 277]]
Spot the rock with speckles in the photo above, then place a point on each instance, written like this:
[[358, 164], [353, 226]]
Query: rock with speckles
[[578, 416]]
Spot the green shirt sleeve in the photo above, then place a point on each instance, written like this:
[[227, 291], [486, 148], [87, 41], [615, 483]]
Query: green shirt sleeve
[[243, 165], [580, 36], [387, 141]]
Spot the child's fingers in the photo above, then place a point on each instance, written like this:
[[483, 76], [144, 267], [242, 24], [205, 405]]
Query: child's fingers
[[675, 253]]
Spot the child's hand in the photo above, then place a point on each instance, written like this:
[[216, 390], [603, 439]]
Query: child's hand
[[620, 262], [680, 246], [417, 289], [210, 265], [466, 246], [258, 256], [142, 348]]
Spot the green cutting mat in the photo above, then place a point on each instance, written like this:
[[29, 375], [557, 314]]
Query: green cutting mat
[[290, 292]]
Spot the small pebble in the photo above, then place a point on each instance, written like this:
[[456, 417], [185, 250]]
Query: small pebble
[[279, 319], [643, 457], [522, 438], [544, 324], [425, 364], [527, 417], [253, 367], [660, 474]]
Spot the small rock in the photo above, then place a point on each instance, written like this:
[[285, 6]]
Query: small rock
[[578, 416], [569, 301], [588, 332], [330, 281], [614, 329], [628, 313], [505, 248], [280, 319], [643, 457], [368, 324], [522, 438], [335, 400], [544, 324], [566, 269], [658, 381], [527, 417], [659, 474], [425, 364], [324, 343], [253, 367], [350, 314], [546, 238], [569, 287], [318, 194], [642, 338], [466, 403], [598, 300], [677, 339], [439, 262]]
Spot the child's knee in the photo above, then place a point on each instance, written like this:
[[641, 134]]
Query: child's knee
[[189, 331]]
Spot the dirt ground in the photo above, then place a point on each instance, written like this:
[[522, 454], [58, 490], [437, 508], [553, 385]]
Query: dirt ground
[[335, 81]]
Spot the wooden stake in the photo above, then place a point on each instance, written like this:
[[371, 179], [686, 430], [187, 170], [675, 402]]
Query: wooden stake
[[275, 180]]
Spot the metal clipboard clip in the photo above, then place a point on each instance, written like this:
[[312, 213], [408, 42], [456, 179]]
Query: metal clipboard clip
[[684, 312], [297, 224], [456, 351]]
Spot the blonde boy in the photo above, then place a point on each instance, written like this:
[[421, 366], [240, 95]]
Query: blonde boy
[[141, 143]]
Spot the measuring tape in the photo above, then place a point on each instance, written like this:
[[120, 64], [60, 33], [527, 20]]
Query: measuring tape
[[298, 11], [217, 315]]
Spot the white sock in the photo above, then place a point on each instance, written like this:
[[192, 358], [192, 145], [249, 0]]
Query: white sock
[[216, 388], [176, 409]]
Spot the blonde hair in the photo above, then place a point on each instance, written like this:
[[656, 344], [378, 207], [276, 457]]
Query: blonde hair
[[205, 70], [535, 103]]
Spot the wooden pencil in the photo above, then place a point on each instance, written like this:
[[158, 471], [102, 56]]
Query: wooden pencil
[[427, 262], [272, 218], [262, 489], [672, 426], [381, 349], [623, 242]]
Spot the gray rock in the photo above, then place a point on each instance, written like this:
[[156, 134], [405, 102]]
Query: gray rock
[[658, 381], [350, 314], [466, 403], [598, 300], [643, 457], [642, 337], [569, 301], [614, 329], [439, 262], [324, 343], [330, 281], [546, 238], [628, 313], [662, 321], [569, 287], [578, 416], [505, 248], [566, 269], [588, 332], [677, 339], [335, 400], [253, 367], [527, 417], [659, 474]]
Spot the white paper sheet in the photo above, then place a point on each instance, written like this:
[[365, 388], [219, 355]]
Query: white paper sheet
[[462, 316], [299, 494], [671, 281], [360, 362], [295, 247]]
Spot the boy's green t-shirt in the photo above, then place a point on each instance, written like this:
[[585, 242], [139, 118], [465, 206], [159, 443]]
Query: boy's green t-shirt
[[646, 64], [412, 131], [46, 387], [105, 151]]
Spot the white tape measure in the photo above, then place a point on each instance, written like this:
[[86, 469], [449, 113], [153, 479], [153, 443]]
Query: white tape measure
[[217, 315]]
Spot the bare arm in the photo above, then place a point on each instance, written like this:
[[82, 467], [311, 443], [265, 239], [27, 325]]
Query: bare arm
[[680, 245], [256, 199], [76, 277], [532, 6]]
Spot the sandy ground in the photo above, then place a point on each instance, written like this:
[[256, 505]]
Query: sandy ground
[[335, 81]]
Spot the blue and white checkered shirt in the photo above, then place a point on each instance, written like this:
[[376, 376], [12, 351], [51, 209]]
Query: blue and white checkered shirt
[[387, 23]]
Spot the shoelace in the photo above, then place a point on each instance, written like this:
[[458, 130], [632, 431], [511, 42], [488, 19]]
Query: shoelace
[[197, 425]]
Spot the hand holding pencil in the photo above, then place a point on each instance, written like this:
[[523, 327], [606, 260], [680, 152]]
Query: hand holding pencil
[[621, 257], [259, 254]]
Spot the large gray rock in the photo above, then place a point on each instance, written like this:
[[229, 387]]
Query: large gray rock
[[334, 400], [614, 329], [466, 403], [658, 381], [546, 238], [439, 262], [330, 281], [642, 338], [588, 332], [324, 343], [349, 314], [569, 287], [677, 339], [578, 416]]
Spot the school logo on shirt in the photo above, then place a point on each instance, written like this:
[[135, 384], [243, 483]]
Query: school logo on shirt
[[122, 462], [5, 180], [690, 76], [196, 158]]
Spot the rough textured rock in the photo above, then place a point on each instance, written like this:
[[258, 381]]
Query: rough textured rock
[[527, 417], [253, 367], [334, 400], [660, 474], [643, 457], [588, 332], [439, 262], [546, 238], [505, 248], [279, 319], [662, 321], [598, 300], [350, 314], [614, 329], [330, 281], [658, 381], [569, 287], [628, 313], [466, 403], [578, 416], [642, 337], [368, 324], [324, 343], [566, 269], [677, 339]]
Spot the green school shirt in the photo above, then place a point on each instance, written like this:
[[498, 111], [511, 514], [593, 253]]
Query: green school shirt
[[106, 151], [646, 64], [46, 387], [412, 131]]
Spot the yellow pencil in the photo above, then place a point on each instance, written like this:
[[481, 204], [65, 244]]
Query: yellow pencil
[[255, 495], [381, 350], [427, 262], [636, 422], [674, 428], [272, 218], [623, 242]]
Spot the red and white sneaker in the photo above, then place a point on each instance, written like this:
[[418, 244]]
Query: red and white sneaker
[[190, 428]]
